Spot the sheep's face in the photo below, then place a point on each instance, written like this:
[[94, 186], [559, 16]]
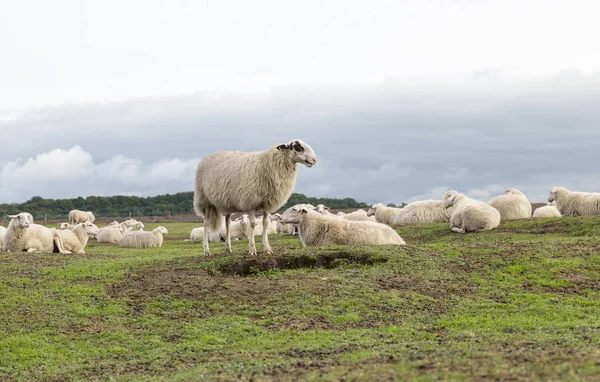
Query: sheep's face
[[161, 229], [321, 208], [299, 152], [64, 225], [449, 200], [371, 211], [245, 219], [552, 194], [293, 214], [91, 228], [22, 220], [275, 217], [448, 194]]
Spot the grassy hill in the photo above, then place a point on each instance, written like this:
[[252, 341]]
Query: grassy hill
[[521, 302]]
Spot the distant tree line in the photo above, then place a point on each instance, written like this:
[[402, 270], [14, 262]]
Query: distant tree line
[[122, 206]]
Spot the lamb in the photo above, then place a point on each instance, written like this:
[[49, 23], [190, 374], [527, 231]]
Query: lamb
[[23, 235], [144, 239], [549, 211], [2, 233], [74, 241], [317, 229], [383, 214], [512, 205], [76, 217], [470, 215], [573, 203], [234, 181], [423, 211]]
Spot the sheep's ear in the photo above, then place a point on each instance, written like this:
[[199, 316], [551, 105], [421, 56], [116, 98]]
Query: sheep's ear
[[327, 208], [283, 147], [296, 146], [12, 216], [304, 210]]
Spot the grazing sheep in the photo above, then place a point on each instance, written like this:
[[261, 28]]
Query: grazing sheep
[[470, 215], [23, 235], [573, 203], [317, 229], [423, 211], [234, 181], [383, 214], [76, 217], [549, 211], [74, 240], [144, 239], [2, 232], [512, 205]]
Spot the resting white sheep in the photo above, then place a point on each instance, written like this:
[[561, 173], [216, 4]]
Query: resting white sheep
[[234, 181], [23, 235], [144, 239], [512, 205], [2, 232], [74, 240], [358, 215], [77, 216], [111, 234], [423, 211], [549, 211], [66, 226], [573, 203], [282, 228], [383, 214], [238, 229], [316, 229], [470, 215], [258, 228]]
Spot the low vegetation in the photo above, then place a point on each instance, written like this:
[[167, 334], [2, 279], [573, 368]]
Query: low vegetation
[[520, 302]]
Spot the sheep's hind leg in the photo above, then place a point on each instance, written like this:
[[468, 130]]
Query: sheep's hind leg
[[265, 236], [251, 245], [227, 236]]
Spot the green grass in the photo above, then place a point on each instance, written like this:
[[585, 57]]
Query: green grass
[[521, 302]]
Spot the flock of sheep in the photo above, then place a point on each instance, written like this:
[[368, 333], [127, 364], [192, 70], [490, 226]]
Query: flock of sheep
[[241, 182], [23, 235]]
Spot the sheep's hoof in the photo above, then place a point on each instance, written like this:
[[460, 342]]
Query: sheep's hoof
[[268, 251], [207, 253], [252, 251], [228, 251]]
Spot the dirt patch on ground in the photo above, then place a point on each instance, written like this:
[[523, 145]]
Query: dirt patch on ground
[[197, 284], [580, 281], [436, 289]]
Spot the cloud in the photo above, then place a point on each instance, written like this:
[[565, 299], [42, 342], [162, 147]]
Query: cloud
[[73, 172], [395, 141]]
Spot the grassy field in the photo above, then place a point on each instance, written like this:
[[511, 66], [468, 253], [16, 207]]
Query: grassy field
[[519, 303]]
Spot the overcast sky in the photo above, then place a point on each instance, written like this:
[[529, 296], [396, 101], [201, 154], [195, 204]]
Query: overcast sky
[[400, 100]]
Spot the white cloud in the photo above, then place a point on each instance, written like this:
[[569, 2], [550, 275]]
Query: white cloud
[[73, 172]]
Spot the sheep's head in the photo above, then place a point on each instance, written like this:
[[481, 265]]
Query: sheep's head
[[293, 214], [321, 208], [275, 217], [22, 220], [64, 225], [161, 229], [245, 219], [373, 209], [450, 198], [90, 228], [299, 152], [554, 191]]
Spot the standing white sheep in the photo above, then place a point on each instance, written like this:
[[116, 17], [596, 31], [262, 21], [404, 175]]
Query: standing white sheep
[[470, 215], [549, 211], [144, 239], [317, 229], [573, 203], [234, 181], [23, 235], [512, 205], [77, 216], [74, 240]]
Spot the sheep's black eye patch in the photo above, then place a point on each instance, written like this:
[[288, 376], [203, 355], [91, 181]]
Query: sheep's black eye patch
[[297, 146]]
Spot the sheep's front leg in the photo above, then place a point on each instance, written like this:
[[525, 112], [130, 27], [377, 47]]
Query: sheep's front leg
[[459, 230], [227, 236], [206, 235], [32, 250], [251, 245], [265, 236]]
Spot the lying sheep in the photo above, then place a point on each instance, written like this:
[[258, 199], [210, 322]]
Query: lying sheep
[[549, 211], [512, 205], [282, 228], [66, 226], [470, 215], [423, 211], [2, 233], [316, 229], [144, 239], [234, 181], [110, 234], [358, 215], [383, 214], [239, 228], [271, 227], [573, 203], [74, 240], [23, 235], [77, 216]]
